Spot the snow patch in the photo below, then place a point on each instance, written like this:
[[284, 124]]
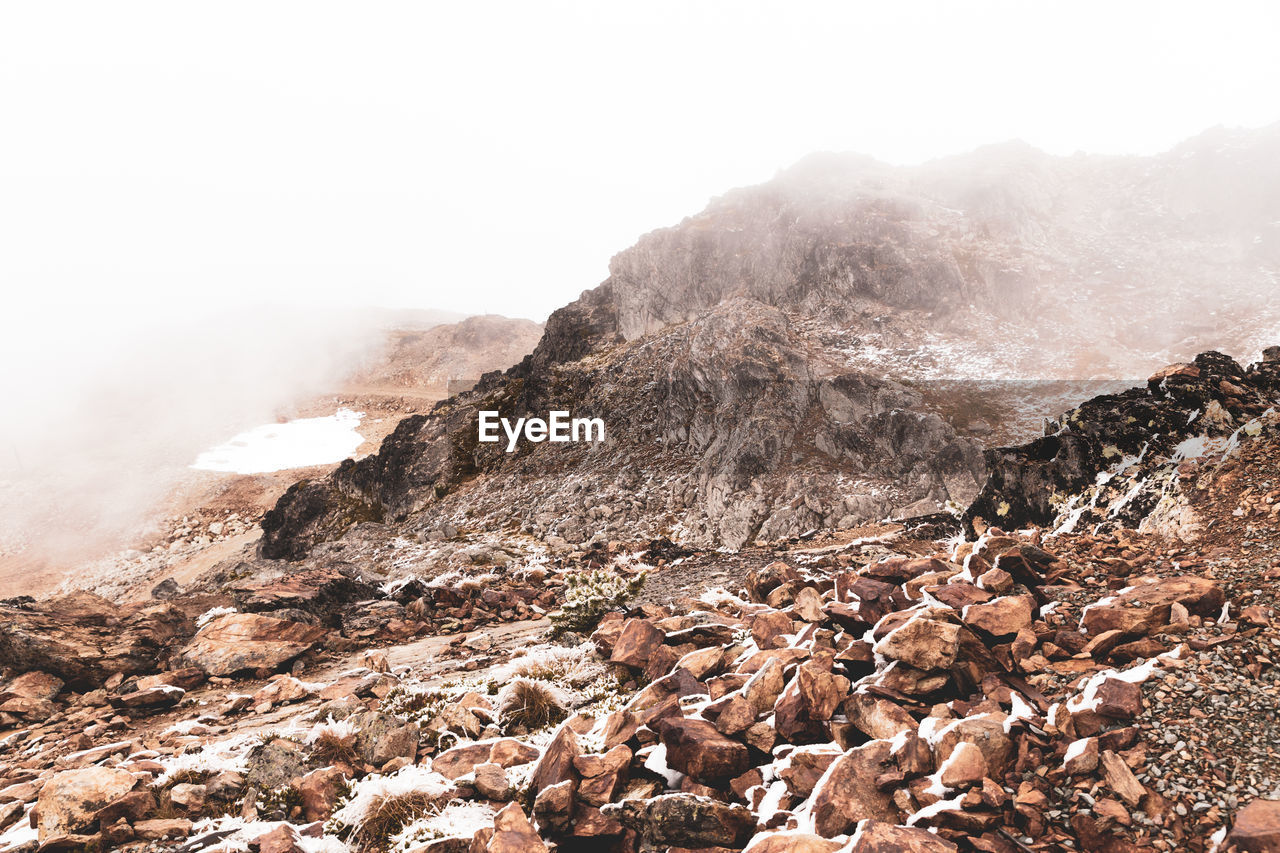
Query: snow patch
[[278, 447]]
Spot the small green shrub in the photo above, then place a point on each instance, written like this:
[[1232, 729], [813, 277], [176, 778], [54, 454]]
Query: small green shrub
[[589, 596]]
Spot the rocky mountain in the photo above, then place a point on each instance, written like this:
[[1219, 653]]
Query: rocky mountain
[[1078, 686], [833, 347]]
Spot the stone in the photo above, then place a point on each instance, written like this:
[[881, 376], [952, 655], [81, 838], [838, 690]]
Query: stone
[[804, 766], [382, 737], [512, 833], [808, 605], [1000, 617], [276, 763], [965, 766], [189, 797], [32, 685], [553, 806], [985, 731], [848, 793], [556, 764], [491, 782], [1118, 699], [508, 752], [736, 715], [238, 642], [791, 842], [685, 820], [132, 807], [770, 627], [764, 687], [637, 643], [282, 839], [1257, 828], [922, 643], [874, 836], [879, 719], [160, 829], [1081, 757], [1121, 779], [1148, 604], [151, 699], [696, 749], [461, 760], [320, 791], [764, 580], [70, 800]]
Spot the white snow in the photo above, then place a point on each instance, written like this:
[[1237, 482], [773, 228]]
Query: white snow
[[277, 447], [657, 763]]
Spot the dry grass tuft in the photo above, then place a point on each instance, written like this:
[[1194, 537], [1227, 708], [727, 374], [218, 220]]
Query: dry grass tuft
[[331, 748], [530, 705], [388, 815]]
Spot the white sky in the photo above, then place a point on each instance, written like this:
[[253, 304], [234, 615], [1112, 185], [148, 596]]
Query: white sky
[[159, 158]]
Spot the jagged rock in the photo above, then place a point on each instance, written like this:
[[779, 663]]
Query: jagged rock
[[1257, 827], [1081, 757], [512, 833], [848, 792], [696, 749], [382, 737], [764, 687], [282, 839], [966, 765], [275, 763], [162, 828], [985, 731], [188, 796], [877, 718], [150, 699], [1147, 604], [769, 628], [685, 820], [804, 766], [320, 791], [1001, 617], [132, 807], [922, 643], [556, 764], [84, 639], [553, 806], [32, 685], [248, 641], [70, 801], [639, 639], [491, 781], [874, 836], [808, 702]]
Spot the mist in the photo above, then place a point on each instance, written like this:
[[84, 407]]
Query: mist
[[107, 410]]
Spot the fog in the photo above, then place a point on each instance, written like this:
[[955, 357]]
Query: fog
[[91, 444]]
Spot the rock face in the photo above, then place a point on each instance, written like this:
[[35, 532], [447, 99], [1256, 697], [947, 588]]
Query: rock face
[[243, 641], [1210, 397]]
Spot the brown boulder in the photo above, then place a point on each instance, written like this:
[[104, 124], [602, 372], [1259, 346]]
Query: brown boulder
[[512, 833], [248, 641], [848, 793], [696, 749], [639, 639], [922, 643], [1001, 617], [791, 842], [1257, 828], [685, 820], [556, 764], [877, 718], [1147, 604], [70, 800], [762, 581], [874, 836], [320, 791]]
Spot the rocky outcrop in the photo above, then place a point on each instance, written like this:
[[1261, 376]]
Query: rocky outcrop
[[248, 641]]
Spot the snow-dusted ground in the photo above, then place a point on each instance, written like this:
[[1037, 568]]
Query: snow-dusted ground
[[296, 444]]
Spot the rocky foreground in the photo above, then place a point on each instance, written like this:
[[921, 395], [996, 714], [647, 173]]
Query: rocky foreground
[[1104, 680]]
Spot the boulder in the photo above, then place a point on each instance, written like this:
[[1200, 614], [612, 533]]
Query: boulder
[[512, 833], [964, 767], [1001, 617], [877, 718], [848, 792], [320, 791], [791, 842], [1147, 604], [685, 820], [381, 737], [696, 749], [922, 643], [248, 641], [636, 644], [70, 801], [1257, 828], [874, 836]]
